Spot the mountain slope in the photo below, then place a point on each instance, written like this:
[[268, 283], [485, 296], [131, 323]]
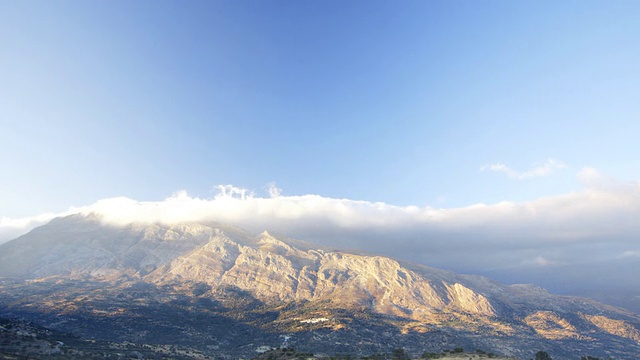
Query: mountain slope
[[265, 287], [274, 271]]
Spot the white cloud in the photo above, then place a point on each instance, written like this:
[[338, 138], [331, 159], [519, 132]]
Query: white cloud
[[597, 224], [538, 171], [273, 190], [542, 261], [229, 191], [12, 228], [593, 179]]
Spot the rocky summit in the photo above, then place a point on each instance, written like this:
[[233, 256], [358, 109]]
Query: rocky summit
[[203, 290]]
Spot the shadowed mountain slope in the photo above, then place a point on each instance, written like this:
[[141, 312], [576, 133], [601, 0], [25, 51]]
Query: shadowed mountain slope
[[79, 269]]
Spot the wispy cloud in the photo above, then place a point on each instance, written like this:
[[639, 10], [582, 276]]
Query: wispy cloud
[[538, 171], [12, 228], [273, 190], [225, 191], [540, 261]]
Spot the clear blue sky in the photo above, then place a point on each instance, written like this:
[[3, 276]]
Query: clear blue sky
[[401, 102]]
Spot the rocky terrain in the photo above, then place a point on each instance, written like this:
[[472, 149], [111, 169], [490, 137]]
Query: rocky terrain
[[217, 291]]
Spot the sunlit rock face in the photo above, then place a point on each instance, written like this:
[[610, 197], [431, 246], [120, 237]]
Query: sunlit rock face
[[297, 287], [551, 326], [269, 268], [273, 270]]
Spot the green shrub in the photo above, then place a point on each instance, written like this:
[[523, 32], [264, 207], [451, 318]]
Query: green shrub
[[542, 355]]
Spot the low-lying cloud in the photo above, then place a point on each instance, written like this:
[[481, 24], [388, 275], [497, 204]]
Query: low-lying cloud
[[598, 224], [12, 228]]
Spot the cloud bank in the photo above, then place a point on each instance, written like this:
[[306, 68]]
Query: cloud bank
[[599, 224]]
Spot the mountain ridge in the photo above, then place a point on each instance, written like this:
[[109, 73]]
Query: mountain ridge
[[213, 263]]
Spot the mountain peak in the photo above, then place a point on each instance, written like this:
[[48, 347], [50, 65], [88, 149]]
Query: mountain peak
[[220, 263]]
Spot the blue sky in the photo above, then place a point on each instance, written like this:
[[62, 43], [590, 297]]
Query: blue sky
[[415, 129], [407, 103]]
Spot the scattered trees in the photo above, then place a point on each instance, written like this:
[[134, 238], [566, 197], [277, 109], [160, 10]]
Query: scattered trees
[[431, 355]]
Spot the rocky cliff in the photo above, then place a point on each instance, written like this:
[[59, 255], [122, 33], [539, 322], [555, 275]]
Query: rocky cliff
[[79, 269]]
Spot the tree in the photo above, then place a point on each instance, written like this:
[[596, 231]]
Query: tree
[[542, 355], [399, 354], [431, 355]]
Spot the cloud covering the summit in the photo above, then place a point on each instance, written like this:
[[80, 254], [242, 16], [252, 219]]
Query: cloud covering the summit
[[599, 223]]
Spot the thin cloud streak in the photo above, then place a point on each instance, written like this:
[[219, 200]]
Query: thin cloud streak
[[539, 171]]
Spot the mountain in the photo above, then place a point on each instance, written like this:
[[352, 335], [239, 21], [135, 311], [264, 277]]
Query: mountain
[[220, 291]]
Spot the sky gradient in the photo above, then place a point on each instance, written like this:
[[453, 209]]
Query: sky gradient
[[490, 137], [407, 104]]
